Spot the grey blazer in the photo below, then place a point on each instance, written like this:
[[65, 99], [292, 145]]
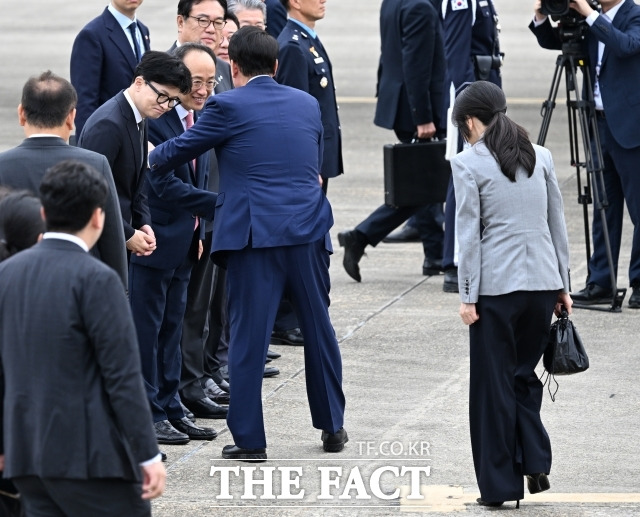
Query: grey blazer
[[524, 245]]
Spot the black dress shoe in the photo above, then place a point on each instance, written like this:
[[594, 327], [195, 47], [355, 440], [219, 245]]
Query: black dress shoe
[[292, 337], [273, 355], [634, 300], [163, 456], [593, 295], [223, 385], [205, 408], [489, 503], [270, 371], [194, 432], [431, 267], [538, 483], [167, 434], [233, 452], [405, 234], [215, 392], [334, 442], [354, 244], [450, 284]]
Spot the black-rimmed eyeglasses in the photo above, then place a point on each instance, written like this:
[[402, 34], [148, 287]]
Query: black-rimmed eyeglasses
[[204, 22], [172, 102]]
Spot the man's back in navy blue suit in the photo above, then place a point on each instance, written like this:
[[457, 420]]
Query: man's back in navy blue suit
[[271, 231]]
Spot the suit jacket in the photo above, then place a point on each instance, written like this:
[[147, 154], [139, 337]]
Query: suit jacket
[[276, 17], [113, 132], [411, 72], [620, 69], [523, 246], [303, 63], [268, 139], [24, 166], [175, 200], [102, 63], [468, 32], [83, 413]]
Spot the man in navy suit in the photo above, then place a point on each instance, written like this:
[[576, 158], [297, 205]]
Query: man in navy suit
[[158, 282], [118, 130], [276, 17], [612, 44], [303, 63], [268, 138], [410, 101], [104, 56]]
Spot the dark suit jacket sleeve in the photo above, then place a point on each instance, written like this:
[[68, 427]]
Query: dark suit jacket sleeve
[[276, 17], [293, 67], [418, 25], [86, 72], [116, 352], [105, 137], [547, 35], [457, 44], [111, 245], [168, 187]]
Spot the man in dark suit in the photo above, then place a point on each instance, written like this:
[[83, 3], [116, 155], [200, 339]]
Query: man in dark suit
[[104, 56], [611, 45], [268, 247], [86, 447], [158, 282], [410, 101], [276, 17], [118, 130], [201, 21], [303, 63], [46, 112]]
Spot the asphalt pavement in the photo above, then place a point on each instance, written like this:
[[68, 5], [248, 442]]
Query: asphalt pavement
[[405, 350]]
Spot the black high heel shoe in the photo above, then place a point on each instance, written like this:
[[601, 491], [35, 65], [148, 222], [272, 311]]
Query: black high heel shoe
[[538, 483], [494, 504]]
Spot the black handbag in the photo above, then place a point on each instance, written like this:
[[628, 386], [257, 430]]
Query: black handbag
[[565, 353], [416, 174]]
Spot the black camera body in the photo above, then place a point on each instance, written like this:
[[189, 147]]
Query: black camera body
[[571, 23]]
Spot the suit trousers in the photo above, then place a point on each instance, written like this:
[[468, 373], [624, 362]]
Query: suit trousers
[[508, 439], [158, 301], [622, 183], [256, 280], [43, 497]]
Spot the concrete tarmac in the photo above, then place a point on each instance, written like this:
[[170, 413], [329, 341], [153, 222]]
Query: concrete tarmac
[[405, 350]]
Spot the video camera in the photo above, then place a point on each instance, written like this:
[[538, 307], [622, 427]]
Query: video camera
[[572, 24]]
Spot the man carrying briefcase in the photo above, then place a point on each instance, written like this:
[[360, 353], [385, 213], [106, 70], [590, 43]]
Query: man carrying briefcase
[[411, 102]]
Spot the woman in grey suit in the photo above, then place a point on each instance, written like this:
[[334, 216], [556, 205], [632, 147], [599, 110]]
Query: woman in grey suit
[[513, 274]]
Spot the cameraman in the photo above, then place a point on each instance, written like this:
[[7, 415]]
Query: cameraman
[[612, 44]]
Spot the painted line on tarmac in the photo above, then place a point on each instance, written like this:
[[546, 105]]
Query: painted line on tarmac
[[511, 101], [451, 498]]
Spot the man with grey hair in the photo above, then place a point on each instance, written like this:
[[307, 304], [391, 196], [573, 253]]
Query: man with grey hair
[[249, 12]]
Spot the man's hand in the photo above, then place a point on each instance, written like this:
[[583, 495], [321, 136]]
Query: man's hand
[[200, 249], [468, 313], [426, 130], [537, 11], [142, 242], [582, 6], [154, 477], [564, 300]]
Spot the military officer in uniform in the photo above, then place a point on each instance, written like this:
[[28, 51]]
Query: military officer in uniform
[[303, 63]]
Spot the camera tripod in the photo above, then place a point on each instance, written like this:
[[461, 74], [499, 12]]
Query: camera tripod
[[582, 116]]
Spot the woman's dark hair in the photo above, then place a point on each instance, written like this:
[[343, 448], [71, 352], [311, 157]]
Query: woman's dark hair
[[20, 222], [507, 141]]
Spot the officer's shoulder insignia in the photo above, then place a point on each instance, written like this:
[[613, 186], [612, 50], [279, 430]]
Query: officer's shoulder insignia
[[295, 37], [457, 5]]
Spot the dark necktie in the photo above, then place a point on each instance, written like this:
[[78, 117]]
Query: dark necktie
[[189, 123], [136, 47], [141, 134]]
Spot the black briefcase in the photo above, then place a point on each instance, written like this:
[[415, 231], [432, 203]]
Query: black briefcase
[[416, 174]]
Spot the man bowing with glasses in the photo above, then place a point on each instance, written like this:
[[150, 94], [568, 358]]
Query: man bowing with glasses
[[118, 130]]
